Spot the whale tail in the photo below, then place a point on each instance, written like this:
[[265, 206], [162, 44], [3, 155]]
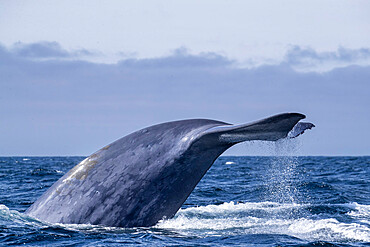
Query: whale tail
[[268, 129], [147, 175]]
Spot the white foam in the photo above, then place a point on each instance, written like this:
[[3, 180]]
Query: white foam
[[329, 230], [6, 213], [13, 216], [238, 218], [87, 227], [229, 163], [241, 218], [360, 212]]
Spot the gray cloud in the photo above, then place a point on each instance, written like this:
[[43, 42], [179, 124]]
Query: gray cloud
[[309, 59], [45, 50], [40, 50], [180, 58], [75, 107]]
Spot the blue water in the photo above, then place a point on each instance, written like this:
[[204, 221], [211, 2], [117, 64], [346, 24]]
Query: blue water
[[242, 201]]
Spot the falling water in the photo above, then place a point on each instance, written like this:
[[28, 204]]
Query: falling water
[[282, 175]]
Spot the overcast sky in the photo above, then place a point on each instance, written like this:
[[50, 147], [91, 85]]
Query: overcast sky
[[77, 76]]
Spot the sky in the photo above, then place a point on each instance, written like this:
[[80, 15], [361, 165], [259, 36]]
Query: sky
[[77, 75]]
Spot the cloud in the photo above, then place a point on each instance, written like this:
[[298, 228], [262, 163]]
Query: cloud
[[63, 106], [307, 59], [45, 50], [180, 58], [303, 59]]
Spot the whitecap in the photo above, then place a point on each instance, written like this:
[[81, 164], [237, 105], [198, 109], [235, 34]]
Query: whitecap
[[229, 163], [360, 212], [238, 218]]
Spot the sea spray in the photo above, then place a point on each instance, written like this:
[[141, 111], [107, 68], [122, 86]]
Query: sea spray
[[281, 176]]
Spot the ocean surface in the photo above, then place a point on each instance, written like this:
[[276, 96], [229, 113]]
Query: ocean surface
[[241, 201]]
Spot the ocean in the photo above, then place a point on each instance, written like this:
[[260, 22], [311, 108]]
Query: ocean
[[241, 201]]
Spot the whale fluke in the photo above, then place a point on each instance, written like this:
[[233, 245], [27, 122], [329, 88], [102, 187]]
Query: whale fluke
[[299, 129], [268, 129], [146, 176]]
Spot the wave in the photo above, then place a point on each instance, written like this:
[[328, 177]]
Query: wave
[[296, 220], [272, 218]]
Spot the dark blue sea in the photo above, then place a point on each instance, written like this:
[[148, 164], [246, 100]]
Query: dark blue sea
[[242, 201]]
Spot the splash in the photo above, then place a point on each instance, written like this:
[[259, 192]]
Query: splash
[[282, 176], [228, 219], [260, 218]]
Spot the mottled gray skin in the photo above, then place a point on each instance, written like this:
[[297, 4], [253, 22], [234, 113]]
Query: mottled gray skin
[[147, 175]]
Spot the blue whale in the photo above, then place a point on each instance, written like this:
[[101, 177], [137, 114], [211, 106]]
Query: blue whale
[[146, 176]]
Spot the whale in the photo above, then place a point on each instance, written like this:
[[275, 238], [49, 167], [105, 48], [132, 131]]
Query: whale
[[146, 176]]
